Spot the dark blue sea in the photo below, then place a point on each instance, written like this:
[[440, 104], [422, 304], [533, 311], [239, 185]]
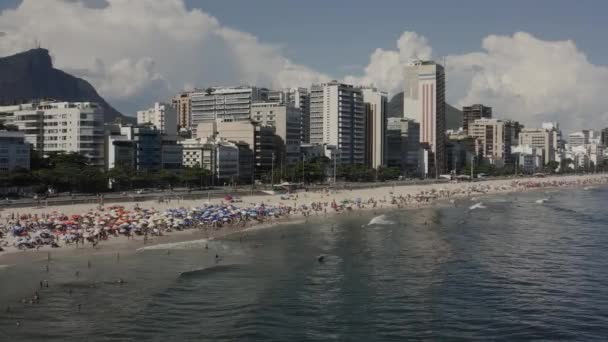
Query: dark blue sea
[[516, 270]]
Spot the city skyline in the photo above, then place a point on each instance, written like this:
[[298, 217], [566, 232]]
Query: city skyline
[[525, 70]]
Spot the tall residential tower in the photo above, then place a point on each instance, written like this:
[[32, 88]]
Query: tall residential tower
[[337, 118], [376, 103], [424, 102]]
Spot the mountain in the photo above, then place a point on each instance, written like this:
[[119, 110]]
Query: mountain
[[453, 116], [30, 75]]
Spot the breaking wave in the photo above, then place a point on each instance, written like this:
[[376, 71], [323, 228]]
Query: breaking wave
[[380, 220], [177, 245]]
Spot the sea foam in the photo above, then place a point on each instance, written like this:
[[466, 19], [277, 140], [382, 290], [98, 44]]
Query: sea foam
[[380, 220], [177, 245]]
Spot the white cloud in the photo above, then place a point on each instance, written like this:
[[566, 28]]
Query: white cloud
[[135, 51], [385, 69], [531, 80], [521, 76]]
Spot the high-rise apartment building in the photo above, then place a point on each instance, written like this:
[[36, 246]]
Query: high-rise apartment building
[[495, 139], [424, 102], [261, 140], [287, 123], [474, 112], [541, 139], [141, 147], [578, 138], [227, 161], [63, 127], [337, 118], [162, 116], [300, 98], [402, 145], [604, 137], [182, 103], [376, 103], [226, 103]]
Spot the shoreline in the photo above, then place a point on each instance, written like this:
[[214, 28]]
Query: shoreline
[[406, 197]]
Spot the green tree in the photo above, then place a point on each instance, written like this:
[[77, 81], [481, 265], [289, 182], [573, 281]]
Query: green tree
[[551, 166], [566, 164], [388, 173], [168, 178], [69, 159], [121, 177], [195, 177]]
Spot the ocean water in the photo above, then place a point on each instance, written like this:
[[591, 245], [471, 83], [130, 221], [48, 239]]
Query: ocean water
[[516, 270]]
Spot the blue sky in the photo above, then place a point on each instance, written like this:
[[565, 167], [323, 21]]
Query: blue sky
[[309, 30]]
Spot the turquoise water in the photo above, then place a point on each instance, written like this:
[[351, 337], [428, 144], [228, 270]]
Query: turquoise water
[[516, 270]]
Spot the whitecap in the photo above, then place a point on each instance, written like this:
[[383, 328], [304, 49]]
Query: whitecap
[[177, 245], [477, 206], [380, 220], [542, 200]]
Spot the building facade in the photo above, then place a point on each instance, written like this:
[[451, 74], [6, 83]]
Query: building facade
[[424, 102], [162, 116], [63, 127], [495, 139], [226, 103], [604, 137], [143, 148], [300, 98], [227, 161], [541, 139], [528, 159], [182, 103], [461, 151], [14, 151], [337, 117], [260, 139], [376, 103], [286, 120], [578, 138], [402, 147], [474, 112]]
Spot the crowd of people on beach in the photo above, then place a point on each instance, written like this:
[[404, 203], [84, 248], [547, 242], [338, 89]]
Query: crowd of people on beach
[[55, 229]]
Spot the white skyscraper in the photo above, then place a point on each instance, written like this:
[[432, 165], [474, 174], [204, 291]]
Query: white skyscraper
[[424, 102], [337, 118], [63, 127], [163, 116], [376, 103], [229, 103]]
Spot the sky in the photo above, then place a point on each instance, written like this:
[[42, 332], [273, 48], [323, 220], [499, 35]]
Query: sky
[[532, 61]]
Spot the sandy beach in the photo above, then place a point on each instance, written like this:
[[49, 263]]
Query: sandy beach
[[298, 207]]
